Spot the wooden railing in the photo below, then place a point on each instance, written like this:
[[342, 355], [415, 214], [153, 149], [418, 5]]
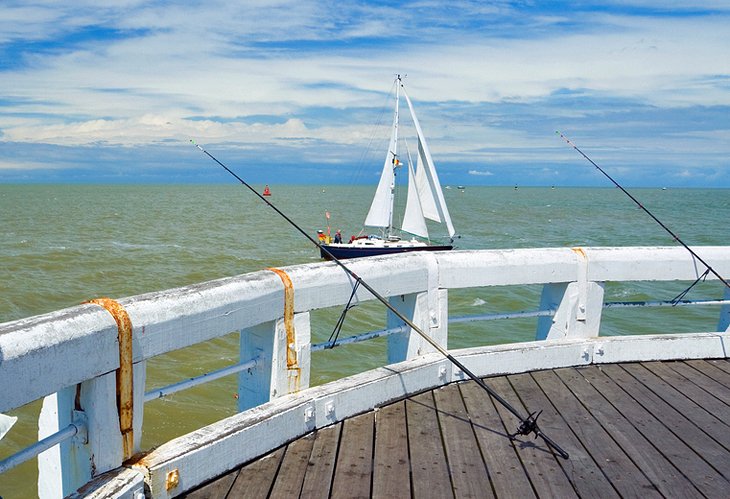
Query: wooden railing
[[73, 361]]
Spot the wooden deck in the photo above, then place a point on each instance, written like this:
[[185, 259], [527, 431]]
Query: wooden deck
[[656, 429]]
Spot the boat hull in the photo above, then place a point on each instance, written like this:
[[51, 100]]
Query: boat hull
[[342, 252]]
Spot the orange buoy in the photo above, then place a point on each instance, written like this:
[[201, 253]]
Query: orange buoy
[[267, 191]]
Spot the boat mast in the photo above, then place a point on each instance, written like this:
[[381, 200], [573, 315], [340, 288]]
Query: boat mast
[[394, 160]]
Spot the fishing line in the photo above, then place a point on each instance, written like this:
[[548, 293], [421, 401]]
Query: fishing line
[[674, 236], [341, 321], [528, 425]]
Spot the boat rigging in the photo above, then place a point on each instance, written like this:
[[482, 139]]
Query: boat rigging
[[425, 199]]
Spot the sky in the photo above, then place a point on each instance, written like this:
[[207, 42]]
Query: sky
[[290, 91]]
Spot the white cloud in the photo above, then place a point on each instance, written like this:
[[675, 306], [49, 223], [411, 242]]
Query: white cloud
[[221, 61], [481, 173]]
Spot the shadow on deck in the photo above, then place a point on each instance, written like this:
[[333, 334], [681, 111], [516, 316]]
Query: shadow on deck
[[638, 429]]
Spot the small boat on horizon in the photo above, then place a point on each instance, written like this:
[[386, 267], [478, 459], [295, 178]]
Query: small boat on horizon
[[425, 200]]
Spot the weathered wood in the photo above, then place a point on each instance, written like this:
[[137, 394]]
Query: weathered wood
[[321, 466], [430, 474], [690, 408], [505, 470], [703, 381], [256, 479], [710, 370], [586, 477], [623, 474], [391, 467], [588, 385], [710, 404], [682, 438], [545, 473], [293, 467], [468, 473], [455, 442], [636, 431], [216, 489], [723, 364], [355, 459]]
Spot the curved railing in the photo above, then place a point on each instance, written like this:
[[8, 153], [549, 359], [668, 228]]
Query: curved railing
[[93, 389]]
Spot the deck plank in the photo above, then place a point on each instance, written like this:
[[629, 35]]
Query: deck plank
[[582, 471], [293, 468], [391, 467], [468, 472], [710, 370], [430, 474], [655, 434], [691, 409], [588, 385], [615, 464], [217, 488], [320, 470], [674, 435], [505, 469], [633, 430], [704, 399], [354, 466], [256, 479], [723, 364], [542, 468], [718, 390]]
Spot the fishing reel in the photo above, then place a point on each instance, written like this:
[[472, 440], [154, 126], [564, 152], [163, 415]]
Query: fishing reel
[[528, 425]]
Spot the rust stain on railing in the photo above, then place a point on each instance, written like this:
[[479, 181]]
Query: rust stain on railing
[[125, 403], [292, 363], [580, 251]]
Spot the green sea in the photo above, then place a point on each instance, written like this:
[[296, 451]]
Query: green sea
[[61, 245]]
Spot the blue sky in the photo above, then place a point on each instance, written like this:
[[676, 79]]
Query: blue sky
[[288, 91]]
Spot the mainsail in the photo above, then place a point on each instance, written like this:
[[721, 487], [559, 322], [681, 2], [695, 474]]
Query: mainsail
[[381, 209]]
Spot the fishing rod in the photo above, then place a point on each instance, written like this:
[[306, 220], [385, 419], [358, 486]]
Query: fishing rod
[[528, 425], [638, 203]]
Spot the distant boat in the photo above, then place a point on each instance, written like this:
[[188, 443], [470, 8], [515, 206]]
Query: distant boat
[[425, 199], [267, 191]]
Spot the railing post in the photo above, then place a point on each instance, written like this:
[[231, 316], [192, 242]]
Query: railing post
[[578, 308], [69, 465], [428, 311], [59, 472], [578, 305], [283, 366]]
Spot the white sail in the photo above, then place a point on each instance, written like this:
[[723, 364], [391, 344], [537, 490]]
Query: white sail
[[413, 221], [425, 189], [425, 198], [430, 171], [381, 209]]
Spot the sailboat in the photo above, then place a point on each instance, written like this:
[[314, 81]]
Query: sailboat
[[425, 200]]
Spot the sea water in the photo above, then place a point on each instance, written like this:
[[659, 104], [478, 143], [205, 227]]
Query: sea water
[[61, 245]]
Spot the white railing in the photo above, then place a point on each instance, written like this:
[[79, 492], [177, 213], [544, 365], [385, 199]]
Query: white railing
[[70, 358]]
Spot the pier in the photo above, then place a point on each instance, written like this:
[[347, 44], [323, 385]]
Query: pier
[[650, 429], [652, 407]]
